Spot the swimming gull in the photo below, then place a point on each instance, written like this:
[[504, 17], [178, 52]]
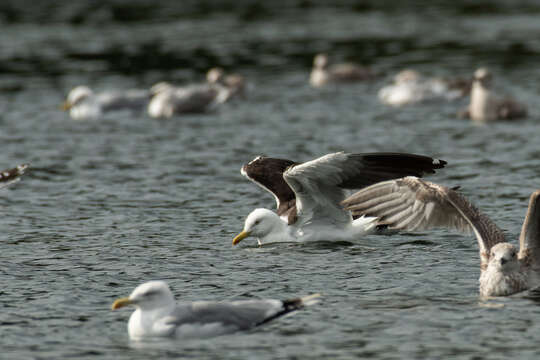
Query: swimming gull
[[411, 87], [414, 204], [323, 73], [158, 315], [13, 175], [235, 83], [84, 104], [487, 106], [308, 194], [169, 100]]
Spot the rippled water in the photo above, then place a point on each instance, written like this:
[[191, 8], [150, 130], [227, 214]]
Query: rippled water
[[112, 203]]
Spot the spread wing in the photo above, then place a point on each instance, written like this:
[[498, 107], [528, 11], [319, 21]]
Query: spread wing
[[10, 176], [413, 204], [529, 240], [319, 184], [268, 173]]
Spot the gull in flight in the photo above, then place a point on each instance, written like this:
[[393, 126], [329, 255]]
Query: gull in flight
[[486, 106], [308, 195], [414, 204], [158, 315]]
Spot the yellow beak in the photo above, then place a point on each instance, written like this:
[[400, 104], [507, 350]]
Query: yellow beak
[[66, 106], [120, 303], [240, 237]]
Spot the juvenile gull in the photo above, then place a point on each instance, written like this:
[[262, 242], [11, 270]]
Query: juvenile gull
[[308, 195], [323, 73], [414, 204], [10, 176], [486, 106], [84, 104], [157, 314], [169, 100], [411, 87]]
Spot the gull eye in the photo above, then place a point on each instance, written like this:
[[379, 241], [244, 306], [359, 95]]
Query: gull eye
[[257, 222], [151, 293]]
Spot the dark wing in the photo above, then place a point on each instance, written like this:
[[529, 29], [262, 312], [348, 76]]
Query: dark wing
[[509, 109], [12, 175], [370, 168], [413, 204], [529, 240], [268, 173], [318, 184]]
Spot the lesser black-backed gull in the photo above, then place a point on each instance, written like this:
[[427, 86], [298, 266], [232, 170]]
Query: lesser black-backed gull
[[308, 195]]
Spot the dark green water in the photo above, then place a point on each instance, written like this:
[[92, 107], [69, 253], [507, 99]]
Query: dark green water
[[112, 203]]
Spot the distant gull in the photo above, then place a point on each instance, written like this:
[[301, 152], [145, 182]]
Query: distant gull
[[411, 87], [169, 100], [84, 104], [235, 83], [13, 175], [414, 204], [323, 73], [158, 315], [308, 194], [486, 106]]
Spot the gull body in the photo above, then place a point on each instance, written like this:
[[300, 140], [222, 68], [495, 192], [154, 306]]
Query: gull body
[[158, 315], [411, 87], [84, 104], [414, 204], [323, 73], [169, 100], [486, 106], [308, 194]]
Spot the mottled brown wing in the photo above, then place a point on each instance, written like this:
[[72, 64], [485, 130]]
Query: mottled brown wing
[[529, 240], [413, 204]]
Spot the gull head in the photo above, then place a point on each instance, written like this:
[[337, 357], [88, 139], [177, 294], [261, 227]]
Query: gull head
[[76, 96], [482, 76], [503, 257], [214, 75], [148, 296], [260, 223], [320, 61]]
